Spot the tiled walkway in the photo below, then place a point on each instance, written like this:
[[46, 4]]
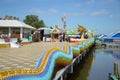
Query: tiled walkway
[[26, 56], [13, 62]]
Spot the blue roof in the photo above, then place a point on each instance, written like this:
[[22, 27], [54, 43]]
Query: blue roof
[[101, 37], [113, 36]]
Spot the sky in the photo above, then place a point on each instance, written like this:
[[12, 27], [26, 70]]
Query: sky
[[102, 16]]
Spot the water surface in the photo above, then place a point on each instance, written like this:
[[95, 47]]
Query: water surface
[[96, 65]]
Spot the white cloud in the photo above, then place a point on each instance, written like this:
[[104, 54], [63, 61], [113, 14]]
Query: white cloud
[[109, 0], [90, 1], [9, 1], [39, 11], [114, 16], [96, 13], [111, 16], [78, 14], [52, 10], [78, 5], [36, 11]]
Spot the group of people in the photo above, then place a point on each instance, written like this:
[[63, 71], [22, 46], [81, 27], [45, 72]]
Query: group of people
[[64, 37]]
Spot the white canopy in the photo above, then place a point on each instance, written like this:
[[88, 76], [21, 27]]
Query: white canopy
[[46, 30], [14, 23]]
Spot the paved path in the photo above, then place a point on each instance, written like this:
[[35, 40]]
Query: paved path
[[26, 56]]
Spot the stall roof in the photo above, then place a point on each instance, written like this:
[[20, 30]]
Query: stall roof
[[14, 23], [72, 32], [44, 28]]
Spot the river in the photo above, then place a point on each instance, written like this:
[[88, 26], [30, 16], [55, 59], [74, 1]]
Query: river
[[96, 65]]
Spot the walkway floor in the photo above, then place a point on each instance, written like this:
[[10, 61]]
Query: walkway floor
[[26, 56]]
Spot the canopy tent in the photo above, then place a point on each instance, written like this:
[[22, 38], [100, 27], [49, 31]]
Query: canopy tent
[[46, 30]]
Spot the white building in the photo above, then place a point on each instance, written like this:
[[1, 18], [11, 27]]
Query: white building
[[14, 29]]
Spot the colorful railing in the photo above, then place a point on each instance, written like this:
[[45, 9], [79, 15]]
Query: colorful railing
[[45, 66]]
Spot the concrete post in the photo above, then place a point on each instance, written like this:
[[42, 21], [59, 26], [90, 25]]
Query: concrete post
[[71, 71], [116, 69], [9, 34], [21, 32], [61, 78], [79, 59]]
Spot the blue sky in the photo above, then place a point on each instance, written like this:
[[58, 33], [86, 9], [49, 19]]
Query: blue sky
[[100, 15]]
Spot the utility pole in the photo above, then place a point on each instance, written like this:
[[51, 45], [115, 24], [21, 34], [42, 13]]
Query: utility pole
[[64, 20], [64, 24]]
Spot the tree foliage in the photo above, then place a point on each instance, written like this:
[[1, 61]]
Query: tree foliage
[[34, 21], [51, 27], [7, 17]]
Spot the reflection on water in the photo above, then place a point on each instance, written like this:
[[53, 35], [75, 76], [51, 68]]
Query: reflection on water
[[115, 52], [82, 70], [96, 65]]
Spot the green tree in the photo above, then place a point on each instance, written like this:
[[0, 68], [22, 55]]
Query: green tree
[[51, 27], [7, 17], [42, 24], [34, 21]]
